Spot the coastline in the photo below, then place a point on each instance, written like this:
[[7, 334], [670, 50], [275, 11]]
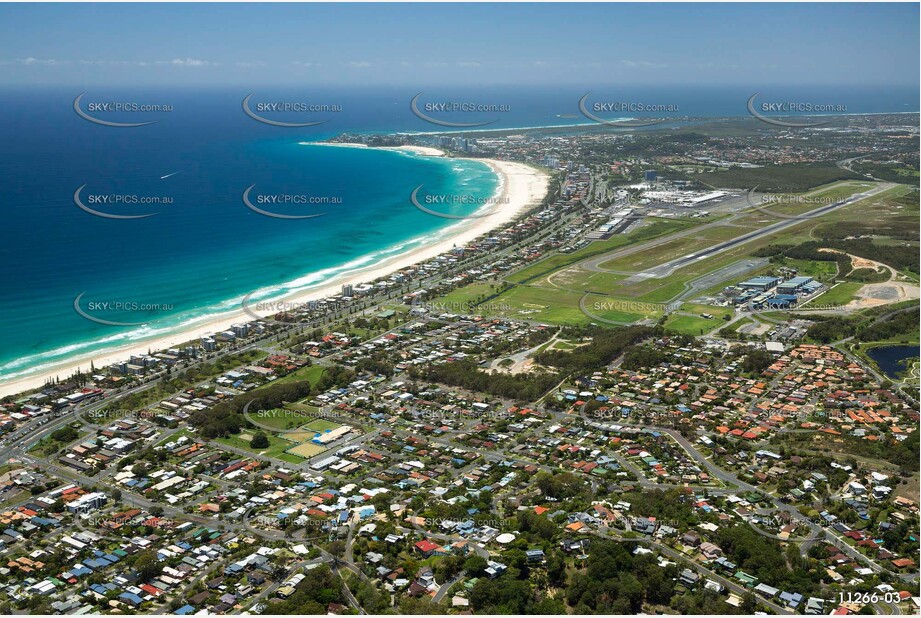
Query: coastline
[[520, 187], [425, 151]]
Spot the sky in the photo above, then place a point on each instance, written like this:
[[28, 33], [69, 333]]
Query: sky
[[862, 45]]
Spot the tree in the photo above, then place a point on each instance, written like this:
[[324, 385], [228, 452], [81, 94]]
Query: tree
[[749, 603], [475, 566], [260, 440], [757, 361], [147, 565]]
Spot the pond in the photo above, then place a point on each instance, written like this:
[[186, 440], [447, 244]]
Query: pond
[[891, 358]]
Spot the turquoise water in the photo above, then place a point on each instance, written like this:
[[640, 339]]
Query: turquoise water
[[201, 253]]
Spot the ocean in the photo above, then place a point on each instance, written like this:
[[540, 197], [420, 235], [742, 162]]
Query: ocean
[[204, 249]]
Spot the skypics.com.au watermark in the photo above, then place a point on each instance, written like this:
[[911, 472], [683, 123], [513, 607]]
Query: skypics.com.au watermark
[[788, 108], [96, 110], [596, 309], [439, 416], [285, 421], [97, 204], [768, 204], [109, 415], [280, 200], [632, 306], [276, 307], [467, 307], [485, 206], [457, 527], [591, 110], [437, 113], [272, 112], [118, 308]]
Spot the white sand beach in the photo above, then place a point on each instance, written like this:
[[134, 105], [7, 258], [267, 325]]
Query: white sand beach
[[427, 151], [520, 188]]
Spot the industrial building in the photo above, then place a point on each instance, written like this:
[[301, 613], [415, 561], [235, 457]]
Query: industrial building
[[796, 285], [762, 283]]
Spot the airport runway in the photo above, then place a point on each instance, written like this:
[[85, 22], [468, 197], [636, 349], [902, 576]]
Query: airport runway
[[663, 270]]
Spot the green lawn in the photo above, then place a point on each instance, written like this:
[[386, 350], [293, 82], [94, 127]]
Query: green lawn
[[291, 416], [48, 446], [321, 425], [312, 374], [840, 294], [656, 227], [691, 324], [790, 204], [740, 323], [717, 312], [644, 260], [577, 279], [467, 296], [823, 271], [288, 457], [555, 306], [277, 446]]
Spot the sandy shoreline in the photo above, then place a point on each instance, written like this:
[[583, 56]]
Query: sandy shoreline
[[427, 151], [521, 187]]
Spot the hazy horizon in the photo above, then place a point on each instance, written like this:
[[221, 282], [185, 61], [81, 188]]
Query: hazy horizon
[[460, 45]]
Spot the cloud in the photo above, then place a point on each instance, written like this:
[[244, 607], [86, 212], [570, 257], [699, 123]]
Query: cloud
[[108, 62], [176, 62], [48, 62], [191, 62], [587, 65], [359, 64], [643, 64], [246, 65], [299, 63]]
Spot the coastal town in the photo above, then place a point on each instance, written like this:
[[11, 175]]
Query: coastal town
[[661, 387]]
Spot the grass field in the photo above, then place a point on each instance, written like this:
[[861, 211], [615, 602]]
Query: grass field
[[839, 294], [717, 312], [277, 446], [321, 425], [291, 458], [643, 260], [799, 203], [47, 446], [823, 271], [312, 374], [654, 229], [740, 323], [580, 280], [691, 324], [291, 416], [467, 295]]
